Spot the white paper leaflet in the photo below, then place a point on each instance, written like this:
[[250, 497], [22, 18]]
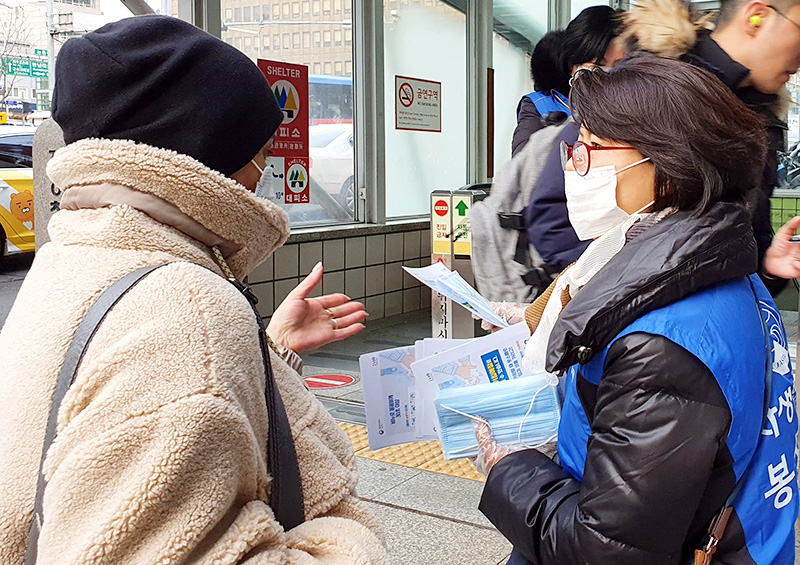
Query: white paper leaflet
[[453, 286]]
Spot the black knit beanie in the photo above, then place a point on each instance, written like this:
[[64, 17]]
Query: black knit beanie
[[161, 81]]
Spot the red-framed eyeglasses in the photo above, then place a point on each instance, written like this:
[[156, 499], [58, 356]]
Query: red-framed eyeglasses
[[581, 155]]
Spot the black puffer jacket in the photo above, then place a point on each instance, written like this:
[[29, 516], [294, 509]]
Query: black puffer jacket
[[550, 517]]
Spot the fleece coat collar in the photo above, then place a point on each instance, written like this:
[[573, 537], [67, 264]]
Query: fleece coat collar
[[253, 227]]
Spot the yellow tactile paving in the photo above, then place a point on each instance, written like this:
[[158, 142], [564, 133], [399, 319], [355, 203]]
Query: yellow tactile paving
[[424, 455]]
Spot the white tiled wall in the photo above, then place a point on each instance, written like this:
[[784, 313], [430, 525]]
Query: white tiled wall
[[366, 268]]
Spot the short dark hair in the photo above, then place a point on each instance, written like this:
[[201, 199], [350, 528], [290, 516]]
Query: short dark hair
[[546, 70], [705, 144], [588, 36], [729, 8]]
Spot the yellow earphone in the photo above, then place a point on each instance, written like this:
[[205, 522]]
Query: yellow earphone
[[755, 20]]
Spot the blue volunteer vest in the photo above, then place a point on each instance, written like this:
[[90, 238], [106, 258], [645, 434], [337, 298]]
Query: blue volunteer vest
[[549, 101], [719, 325]]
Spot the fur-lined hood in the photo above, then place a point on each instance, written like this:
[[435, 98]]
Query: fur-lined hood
[[667, 28], [251, 227]]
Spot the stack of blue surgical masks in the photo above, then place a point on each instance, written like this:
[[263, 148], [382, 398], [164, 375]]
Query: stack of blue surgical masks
[[522, 413]]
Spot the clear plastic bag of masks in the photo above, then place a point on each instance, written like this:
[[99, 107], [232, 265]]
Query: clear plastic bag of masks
[[523, 413]]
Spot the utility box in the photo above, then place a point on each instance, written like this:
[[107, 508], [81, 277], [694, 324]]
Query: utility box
[[451, 244]]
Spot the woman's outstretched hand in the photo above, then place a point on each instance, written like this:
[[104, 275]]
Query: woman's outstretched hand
[[783, 257], [302, 324]]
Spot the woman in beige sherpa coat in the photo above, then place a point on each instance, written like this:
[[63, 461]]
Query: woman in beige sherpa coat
[[161, 447]]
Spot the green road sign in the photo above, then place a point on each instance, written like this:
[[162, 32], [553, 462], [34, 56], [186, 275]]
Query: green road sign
[[24, 67], [40, 52]]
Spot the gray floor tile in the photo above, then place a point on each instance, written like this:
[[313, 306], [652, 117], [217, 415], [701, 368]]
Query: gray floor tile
[[419, 539], [443, 495], [376, 477]]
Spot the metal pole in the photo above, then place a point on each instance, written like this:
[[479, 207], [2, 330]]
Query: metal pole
[[51, 50]]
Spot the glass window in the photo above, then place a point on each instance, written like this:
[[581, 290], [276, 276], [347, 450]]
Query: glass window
[[229, 15], [16, 151], [237, 15], [348, 36], [326, 7], [517, 29], [330, 105], [246, 14], [418, 162], [337, 7]]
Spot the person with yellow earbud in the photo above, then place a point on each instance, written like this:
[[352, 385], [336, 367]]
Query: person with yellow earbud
[[754, 50]]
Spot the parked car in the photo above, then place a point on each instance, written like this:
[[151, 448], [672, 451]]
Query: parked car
[[331, 152], [16, 189]]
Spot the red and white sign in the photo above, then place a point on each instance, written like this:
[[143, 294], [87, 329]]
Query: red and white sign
[[440, 207], [289, 82], [329, 381], [418, 104]]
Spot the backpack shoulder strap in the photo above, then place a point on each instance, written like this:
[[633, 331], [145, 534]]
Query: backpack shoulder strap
[[77, 347]]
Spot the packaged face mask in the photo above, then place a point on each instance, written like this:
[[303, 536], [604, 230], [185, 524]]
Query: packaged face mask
[[523, 413]]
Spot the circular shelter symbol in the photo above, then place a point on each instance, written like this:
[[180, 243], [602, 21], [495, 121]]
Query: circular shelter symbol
[[288, 99], [297, 178]]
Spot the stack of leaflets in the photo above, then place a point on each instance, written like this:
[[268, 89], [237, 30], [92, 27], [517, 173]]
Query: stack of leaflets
[[401, 384]]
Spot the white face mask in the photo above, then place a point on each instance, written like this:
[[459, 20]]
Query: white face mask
[[592, 200], [264, 188]]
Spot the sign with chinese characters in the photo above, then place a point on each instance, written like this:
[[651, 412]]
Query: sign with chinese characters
[[289, 83], [418, 104]]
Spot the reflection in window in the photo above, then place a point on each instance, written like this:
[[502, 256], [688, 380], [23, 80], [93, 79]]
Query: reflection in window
[[296, 40], [287, 41], [418, 162], [246, 14], [228, 15], [315, 7], [276, 11], [326, 38], [237, 15]]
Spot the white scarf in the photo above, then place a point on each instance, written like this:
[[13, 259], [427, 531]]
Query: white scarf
[[599, 252]]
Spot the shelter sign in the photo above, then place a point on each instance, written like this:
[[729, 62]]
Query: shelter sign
[[289, 158], [418, 104]]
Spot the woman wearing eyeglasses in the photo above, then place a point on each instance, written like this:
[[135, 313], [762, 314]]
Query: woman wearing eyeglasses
[[678, 414]]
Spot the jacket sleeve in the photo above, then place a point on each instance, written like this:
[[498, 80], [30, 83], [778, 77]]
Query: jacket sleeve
[[160, 456], [657, 426], [529, 121]]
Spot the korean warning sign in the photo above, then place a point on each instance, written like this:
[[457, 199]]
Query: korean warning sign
[[418, 104], [289, 159]]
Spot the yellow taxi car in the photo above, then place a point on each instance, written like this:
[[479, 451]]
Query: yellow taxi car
[[16, 189]]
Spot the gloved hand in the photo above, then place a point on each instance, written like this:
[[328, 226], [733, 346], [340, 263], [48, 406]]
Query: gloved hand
[[511, 312], [489, 451]]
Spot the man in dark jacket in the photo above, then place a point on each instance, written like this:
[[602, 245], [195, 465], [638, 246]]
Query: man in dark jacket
[[754, 50]]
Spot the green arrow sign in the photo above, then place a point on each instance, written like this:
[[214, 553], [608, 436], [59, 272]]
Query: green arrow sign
[[462, 208]]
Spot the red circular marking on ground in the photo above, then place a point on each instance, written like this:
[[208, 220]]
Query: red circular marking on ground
[[328, 381]]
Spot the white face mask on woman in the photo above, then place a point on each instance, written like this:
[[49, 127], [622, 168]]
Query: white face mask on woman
[[592, 200]]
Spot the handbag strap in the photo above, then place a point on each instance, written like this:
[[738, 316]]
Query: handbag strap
[[286, 496], [720, 521]]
